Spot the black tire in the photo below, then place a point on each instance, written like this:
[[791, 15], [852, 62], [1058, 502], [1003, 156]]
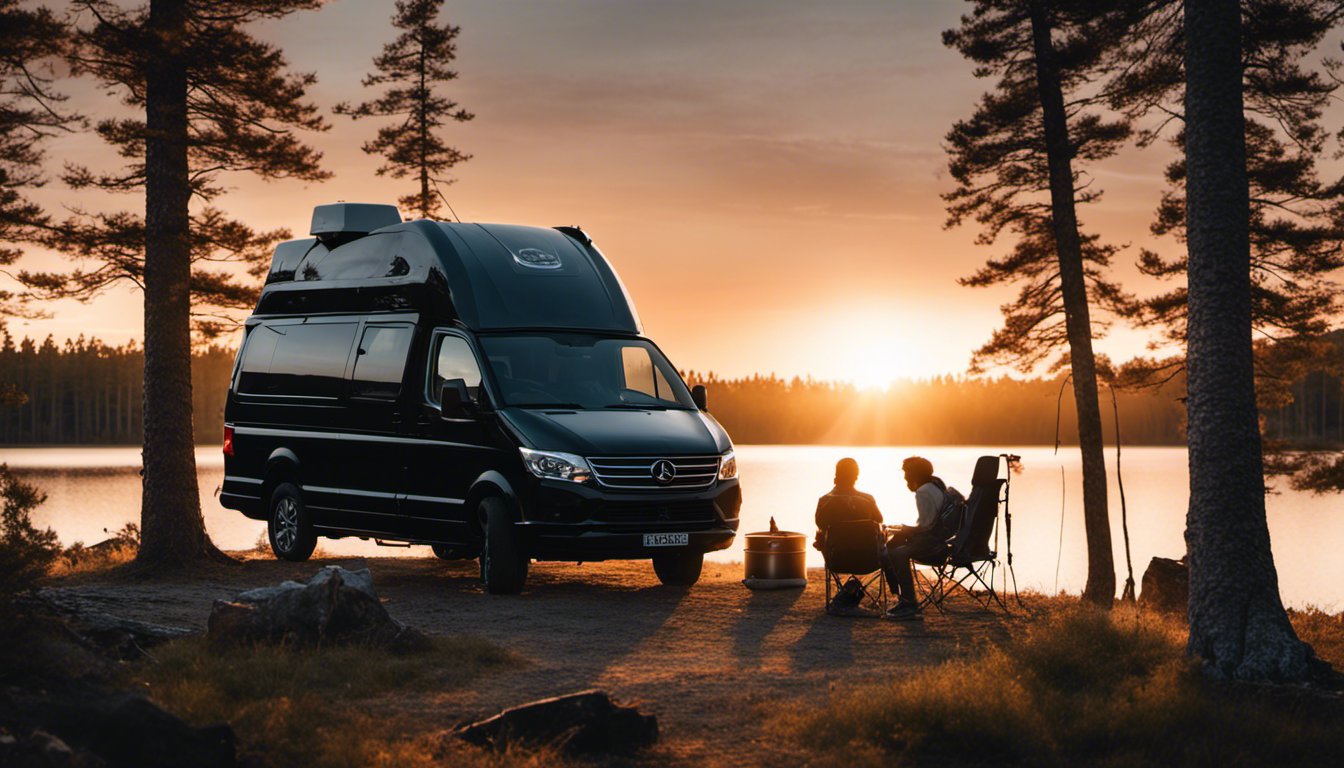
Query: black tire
[[503, 562], [288, 526], [678, 569]]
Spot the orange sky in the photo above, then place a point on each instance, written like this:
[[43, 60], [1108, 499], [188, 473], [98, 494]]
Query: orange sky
[[764, 175]]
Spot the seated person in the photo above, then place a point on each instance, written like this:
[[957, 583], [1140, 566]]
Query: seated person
[[918, 540], [845, 503]]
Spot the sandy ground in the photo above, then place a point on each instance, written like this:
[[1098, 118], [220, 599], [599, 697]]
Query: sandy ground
[[706, 660]]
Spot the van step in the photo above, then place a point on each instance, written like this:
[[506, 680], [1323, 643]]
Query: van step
[[381, 543]]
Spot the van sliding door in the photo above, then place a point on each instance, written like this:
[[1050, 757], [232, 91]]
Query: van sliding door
[[374, 447]]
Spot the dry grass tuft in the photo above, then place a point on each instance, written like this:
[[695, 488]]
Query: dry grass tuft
[[319, 707], [1078, 686], [1324, 631]]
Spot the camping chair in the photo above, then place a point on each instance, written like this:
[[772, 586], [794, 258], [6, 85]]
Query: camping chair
[[854, 548], [968, 560]]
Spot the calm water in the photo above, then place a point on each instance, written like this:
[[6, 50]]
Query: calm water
[[95, 489]]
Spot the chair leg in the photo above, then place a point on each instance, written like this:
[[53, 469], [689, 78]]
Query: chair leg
[[930, 591]]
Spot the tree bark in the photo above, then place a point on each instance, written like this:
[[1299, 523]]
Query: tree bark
[[1237, 622], [172, 529], [1100, 588]]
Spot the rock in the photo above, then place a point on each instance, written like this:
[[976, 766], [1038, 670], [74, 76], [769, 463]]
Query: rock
[[121, 729], [1166, 586], [39, 749], [114, 637], [584, 723], [336, 606]]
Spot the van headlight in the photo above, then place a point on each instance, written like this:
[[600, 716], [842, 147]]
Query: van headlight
[[556, 466], [728, 466]]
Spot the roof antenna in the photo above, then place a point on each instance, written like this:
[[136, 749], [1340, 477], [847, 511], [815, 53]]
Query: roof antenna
[[439, 192]]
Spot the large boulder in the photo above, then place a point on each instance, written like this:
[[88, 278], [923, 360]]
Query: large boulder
[[584, 723], [336, 606], [1166, 586]]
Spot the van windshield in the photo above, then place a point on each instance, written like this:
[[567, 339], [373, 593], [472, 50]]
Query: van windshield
[[582, 371]]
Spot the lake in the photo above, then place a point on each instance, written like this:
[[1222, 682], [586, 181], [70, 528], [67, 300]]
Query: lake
[[96, 489]]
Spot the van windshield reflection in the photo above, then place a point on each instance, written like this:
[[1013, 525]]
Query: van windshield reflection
[[581, 371]]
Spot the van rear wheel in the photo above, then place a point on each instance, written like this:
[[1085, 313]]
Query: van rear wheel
[[289, 527], [503, 562], [678, 569]]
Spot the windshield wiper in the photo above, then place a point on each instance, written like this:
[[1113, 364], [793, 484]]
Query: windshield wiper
[[562, 406], [637, 407]]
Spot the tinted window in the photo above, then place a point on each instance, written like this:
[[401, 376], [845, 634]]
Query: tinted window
[[581, 371], [381, 361], [258, 349], [640, 375], [371, 256], [306, 360], [454, 360]]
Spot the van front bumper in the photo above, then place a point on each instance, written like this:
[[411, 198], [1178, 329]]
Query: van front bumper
[[564, 521]]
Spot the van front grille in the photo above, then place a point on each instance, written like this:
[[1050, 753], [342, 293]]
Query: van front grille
[[637, 472]]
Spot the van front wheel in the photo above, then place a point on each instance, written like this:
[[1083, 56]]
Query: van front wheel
[[503, 562], [678, 569], [289, 527]]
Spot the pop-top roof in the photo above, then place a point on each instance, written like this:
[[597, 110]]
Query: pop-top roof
[[488, 276]]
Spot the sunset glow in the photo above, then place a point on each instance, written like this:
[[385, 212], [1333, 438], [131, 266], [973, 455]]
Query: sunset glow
[[753, 176]]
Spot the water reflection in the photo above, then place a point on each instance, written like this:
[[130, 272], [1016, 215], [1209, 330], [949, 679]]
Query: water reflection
[[95, 488]]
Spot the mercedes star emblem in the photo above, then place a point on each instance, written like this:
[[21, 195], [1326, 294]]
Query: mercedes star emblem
[[663, 471]]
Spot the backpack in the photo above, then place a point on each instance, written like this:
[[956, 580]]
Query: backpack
[[950, 514]]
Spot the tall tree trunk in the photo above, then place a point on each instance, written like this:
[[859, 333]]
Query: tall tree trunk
[[1237, 622], [1100, 587], [172, 530]]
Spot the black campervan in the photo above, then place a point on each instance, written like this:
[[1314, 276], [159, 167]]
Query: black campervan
[[481, 388]]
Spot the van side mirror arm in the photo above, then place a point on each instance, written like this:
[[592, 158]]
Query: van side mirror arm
[[455, 401]]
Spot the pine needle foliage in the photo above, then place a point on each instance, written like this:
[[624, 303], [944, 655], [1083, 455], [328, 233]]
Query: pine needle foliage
[[245, 112], [31, 41], [1297, 208], [412, 66]]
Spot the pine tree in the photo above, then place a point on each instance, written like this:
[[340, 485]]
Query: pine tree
[[1015, 162], [1237, 622], [212, 99], [1296, 217], [412, 65], [31, 40]]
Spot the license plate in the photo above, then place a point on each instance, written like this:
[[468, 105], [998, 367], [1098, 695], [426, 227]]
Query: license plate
[[666, 539]]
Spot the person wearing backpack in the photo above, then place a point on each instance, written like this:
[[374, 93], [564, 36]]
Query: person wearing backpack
[[939, 510]]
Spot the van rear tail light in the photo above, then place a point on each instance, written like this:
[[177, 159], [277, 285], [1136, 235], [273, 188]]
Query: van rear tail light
[[228, 440]]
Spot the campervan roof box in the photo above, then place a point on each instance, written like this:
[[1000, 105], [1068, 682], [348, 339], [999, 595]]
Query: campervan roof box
[[341, 222]]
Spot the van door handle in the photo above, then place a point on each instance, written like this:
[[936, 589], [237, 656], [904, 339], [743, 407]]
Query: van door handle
[[396, 418]]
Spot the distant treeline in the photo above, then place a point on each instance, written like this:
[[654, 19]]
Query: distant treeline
[[88, 392], [945, 410], [1315, 418]]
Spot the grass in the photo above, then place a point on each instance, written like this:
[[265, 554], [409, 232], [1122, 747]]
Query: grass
[[335, 706], [1078, 686]]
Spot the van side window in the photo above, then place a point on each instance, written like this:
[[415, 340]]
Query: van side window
[[454, 360], [381, 361], [304, 360], [258, 350], [641, 375]]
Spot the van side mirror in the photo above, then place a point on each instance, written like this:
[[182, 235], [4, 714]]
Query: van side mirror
[[455, 401], [700, 397]]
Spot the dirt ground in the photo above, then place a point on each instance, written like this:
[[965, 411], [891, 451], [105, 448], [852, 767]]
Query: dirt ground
[[706, 660]]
